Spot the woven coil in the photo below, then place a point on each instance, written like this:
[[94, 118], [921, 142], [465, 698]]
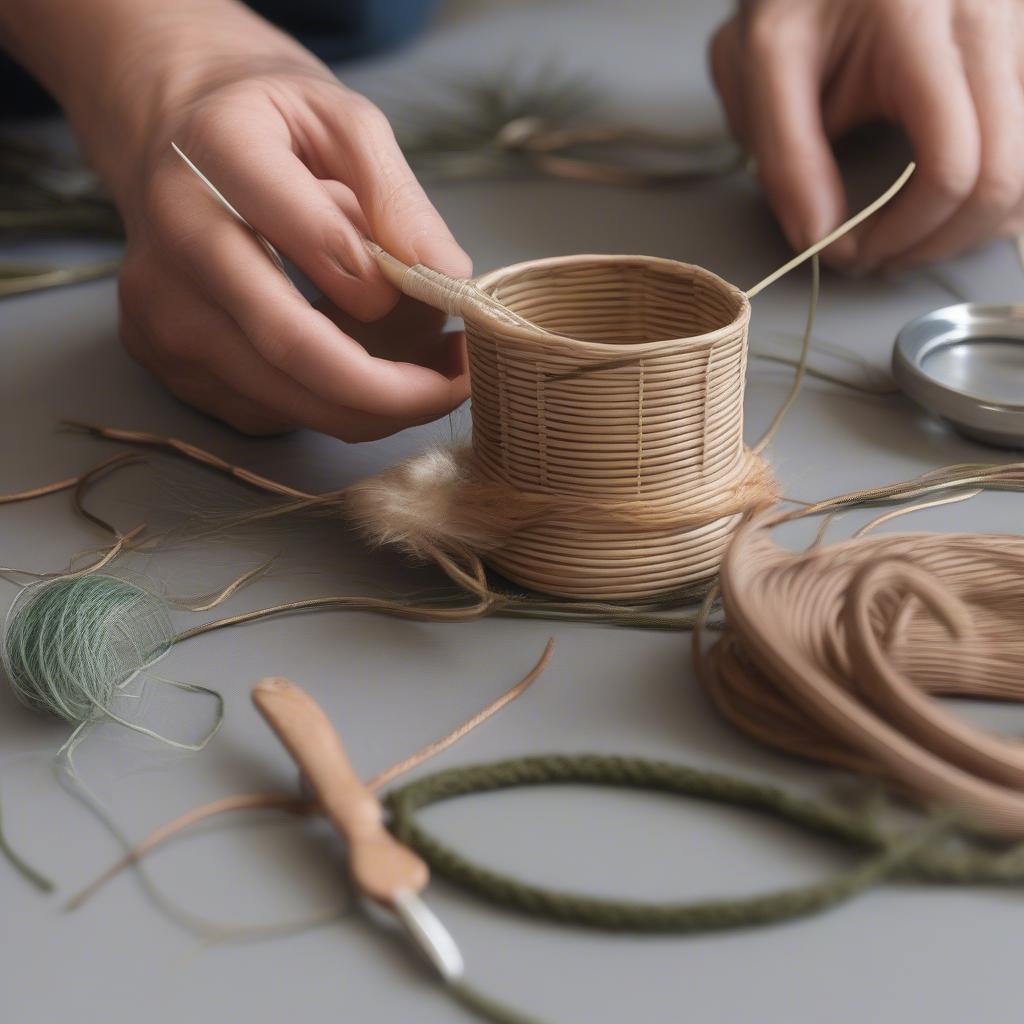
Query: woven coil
[[836, 654], [628, 386]]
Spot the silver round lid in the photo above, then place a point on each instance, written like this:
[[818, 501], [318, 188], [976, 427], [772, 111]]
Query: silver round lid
[[966, 363]]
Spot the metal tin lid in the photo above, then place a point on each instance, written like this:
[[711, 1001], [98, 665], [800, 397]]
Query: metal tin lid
[[966, 363]]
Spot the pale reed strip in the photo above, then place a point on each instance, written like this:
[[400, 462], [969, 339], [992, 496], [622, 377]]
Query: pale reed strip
[[835, 235], [64, 485], [190, 451], [81, 484]]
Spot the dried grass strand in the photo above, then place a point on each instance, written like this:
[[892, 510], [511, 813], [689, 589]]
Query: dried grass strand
[[300, 805]]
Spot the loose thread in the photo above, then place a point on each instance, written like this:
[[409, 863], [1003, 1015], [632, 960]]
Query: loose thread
[[801, 370], [26, 870], [835, 235], [299, 805], [275, 256]]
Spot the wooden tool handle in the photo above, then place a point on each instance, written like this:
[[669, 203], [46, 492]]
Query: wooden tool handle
[[309, 737], [380, 865]]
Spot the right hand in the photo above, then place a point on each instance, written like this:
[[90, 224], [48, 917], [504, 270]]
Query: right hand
[[314, 167], [795, 74]]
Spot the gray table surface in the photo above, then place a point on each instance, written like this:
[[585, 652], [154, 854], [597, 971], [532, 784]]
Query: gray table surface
[[896, 954]]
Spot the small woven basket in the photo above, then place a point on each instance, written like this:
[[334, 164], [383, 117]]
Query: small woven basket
[[628, 385]]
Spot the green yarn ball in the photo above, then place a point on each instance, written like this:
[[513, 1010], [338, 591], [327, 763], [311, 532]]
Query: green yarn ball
[[70, 643]]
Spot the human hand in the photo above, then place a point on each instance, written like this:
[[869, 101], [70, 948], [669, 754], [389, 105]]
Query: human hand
[[310, 164], [314, 168], [794, 74]]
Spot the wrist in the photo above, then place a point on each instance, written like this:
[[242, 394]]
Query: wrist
[[127, 71]]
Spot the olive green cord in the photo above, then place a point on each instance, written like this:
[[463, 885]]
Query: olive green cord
[[912, 857], [487, 1007], [913, 854], [885, 854], [29, 873]]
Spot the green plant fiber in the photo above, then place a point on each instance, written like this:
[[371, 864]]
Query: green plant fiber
[[71, 643]]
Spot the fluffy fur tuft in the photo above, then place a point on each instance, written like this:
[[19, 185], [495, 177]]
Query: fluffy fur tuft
[[438, 501], [422, 505]]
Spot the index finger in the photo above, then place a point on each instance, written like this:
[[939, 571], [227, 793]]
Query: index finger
[[797, 168], [297, 339], [935, 109]]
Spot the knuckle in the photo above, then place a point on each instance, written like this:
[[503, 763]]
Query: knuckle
[[277, 342], [770, 28], [365, 115], [400, 197], [209, 121], [999, 186], [189, 348], [952, 177], [164, 340]]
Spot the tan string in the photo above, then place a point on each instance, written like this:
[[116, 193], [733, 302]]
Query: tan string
[[71, 482], [190, 451], [211, 601], [835, 235], [300, 805], [81, 484], [801, 366], [381, 779]]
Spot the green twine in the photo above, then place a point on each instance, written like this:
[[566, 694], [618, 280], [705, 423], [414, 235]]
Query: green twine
[[915, 857], [884, 854], [486, 1006], [71, 643], [29, 873]]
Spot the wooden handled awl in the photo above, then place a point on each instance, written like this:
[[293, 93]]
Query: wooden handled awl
[[381, 867]]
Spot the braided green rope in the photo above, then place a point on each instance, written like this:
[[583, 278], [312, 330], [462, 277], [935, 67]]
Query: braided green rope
[[883, 854], [915, 856], [486, 1006]]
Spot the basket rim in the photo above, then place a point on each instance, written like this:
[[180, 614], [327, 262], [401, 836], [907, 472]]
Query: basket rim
[[489, 279]]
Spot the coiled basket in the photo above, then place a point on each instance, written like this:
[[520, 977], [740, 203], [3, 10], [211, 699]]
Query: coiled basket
[[625, 386]]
